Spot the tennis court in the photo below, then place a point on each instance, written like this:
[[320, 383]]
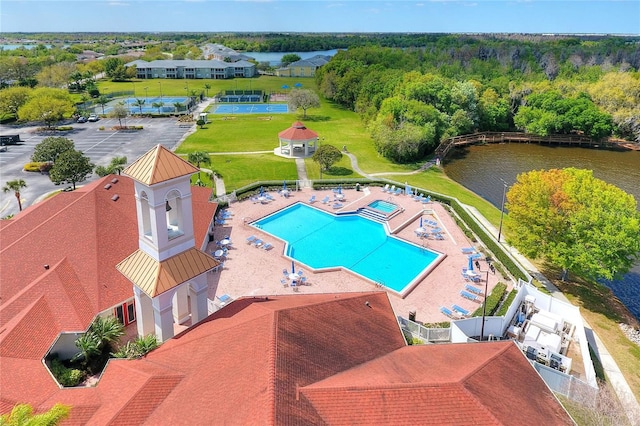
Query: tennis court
[[165, 104], [252, 109]]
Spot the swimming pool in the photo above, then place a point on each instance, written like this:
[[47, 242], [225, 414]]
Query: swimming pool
[[383, 206], [323, 241]]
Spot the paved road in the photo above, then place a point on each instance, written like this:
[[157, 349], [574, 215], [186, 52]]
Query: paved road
[[99, 145]]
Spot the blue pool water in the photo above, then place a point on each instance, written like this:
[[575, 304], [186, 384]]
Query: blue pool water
[[383, 206], [322, 240]]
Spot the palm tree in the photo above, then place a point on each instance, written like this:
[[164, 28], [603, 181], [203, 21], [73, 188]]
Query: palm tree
[[198, 157], [102, 101], [158, 105], [207, 86], [139, 103], [177, 106], [117, 164], [15, 186], [107, 330]]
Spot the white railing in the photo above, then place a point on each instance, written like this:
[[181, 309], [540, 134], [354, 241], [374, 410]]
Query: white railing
[[427, 335]]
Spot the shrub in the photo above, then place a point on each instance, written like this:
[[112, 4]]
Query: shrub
[[507, 302], [492, 300], [34, 166], [66, 376], [101, 128], [64, 128]]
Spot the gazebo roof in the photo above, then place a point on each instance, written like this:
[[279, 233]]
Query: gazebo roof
[[297, 132]]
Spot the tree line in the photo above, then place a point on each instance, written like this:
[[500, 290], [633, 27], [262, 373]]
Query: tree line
[[411, 99]]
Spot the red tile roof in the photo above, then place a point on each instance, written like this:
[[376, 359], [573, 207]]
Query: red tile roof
[[80, 236], [313, 359], [297, 132], [479, 384]]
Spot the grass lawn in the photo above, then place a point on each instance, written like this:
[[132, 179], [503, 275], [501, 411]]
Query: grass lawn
[[249, 168]]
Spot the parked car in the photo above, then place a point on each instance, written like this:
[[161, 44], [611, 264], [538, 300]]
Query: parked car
[[93, 117], [82, 119]]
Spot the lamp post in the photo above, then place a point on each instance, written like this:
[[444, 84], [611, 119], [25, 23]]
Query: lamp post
[[160, 83], [134, 89], [320, 163], [484, 305], [146, 94], [504, 193]]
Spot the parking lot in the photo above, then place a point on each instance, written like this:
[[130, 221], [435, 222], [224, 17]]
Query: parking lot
[[99, 145]]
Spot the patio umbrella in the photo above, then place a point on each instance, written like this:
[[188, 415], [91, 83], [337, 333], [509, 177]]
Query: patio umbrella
[[470, 266], [261, 191], [284, 184], [340, 189], [420, 221], [298, 85], [285, 87], [293, 267]]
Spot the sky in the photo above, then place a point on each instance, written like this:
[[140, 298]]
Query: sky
[[424, 16]]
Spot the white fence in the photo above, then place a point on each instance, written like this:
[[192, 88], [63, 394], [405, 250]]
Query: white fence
[[427, 335]]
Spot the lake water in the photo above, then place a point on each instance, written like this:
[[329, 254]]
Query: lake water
[[15, 46], [274, 58], [482, 168]]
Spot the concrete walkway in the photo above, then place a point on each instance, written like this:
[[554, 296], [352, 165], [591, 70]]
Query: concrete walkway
[[302, 173], [611, 369]]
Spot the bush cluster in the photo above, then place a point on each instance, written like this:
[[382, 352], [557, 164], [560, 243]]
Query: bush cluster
[[66, 376]]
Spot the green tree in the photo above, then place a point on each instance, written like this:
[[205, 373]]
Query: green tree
[[50, 148], [15, 186], [575, 221], [303, 98], [22, 415], [71, 167], [326, 156], [178, 106], [47, 105], [114, 69], [207, 86], [12, 98], [289, 58], [119, 111]]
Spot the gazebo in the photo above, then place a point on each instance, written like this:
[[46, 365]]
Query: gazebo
[[297, 141]]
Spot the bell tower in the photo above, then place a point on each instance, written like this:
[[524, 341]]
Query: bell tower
[[167, 270]]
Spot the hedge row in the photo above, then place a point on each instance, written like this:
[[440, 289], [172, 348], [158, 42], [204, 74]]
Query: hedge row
[[507, 303], [492, 301], [484, 237]]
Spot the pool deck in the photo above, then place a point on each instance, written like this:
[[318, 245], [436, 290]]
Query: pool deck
[[251, 271]]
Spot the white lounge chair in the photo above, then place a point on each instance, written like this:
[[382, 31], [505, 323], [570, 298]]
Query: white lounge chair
[[312, 199], [385, 188], [251, 239], [325, 200], [267, 246]]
